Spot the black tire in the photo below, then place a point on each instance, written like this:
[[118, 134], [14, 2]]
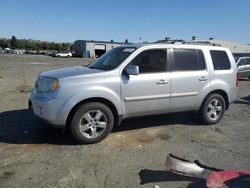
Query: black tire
[[89, 110], [205, 109]]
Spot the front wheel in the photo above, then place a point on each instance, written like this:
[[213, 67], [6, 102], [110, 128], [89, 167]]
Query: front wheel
[[91, 123], [213, 109]]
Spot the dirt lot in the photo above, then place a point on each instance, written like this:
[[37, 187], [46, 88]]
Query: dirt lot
[[32, 154]]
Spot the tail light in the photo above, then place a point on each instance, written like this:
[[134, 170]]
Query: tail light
[[237, 79]]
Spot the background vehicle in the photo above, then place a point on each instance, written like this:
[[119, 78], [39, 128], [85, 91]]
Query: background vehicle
[[243, 65], [63, 54], [134, 81]]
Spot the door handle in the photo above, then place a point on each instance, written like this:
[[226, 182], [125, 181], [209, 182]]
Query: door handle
[[162, 82], [203, 78]]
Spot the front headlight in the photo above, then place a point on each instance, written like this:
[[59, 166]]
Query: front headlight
[[46, 85]]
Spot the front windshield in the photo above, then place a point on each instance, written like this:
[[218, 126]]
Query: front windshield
[[112, 58]]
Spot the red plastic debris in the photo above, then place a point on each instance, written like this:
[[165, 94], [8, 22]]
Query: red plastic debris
[[217, 179]]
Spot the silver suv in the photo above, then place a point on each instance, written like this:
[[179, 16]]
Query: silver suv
[[136, 80]]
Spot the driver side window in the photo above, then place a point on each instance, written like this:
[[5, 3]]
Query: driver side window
[[151, 61]]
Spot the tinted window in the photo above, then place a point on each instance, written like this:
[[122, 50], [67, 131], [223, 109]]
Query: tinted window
[[151, 61], [220, 60], [248, 61], [188, 60], [242, 62]]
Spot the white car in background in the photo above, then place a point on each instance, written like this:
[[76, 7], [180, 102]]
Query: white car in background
[[243, 65], [64, 54]]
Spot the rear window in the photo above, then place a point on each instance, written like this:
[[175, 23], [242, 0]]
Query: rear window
[[188, 60], [220, 60]]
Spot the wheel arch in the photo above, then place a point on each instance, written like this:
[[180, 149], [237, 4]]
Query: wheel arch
[[218, 91], [94, 99]]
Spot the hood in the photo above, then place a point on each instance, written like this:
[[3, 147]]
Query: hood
[[69, 71]]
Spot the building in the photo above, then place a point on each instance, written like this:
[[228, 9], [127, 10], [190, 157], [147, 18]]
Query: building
[[93, 49], [237, 49]]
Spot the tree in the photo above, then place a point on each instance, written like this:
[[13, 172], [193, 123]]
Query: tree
[[3, 43], [64, 47], [44, 46], [14, 42], [126, 41], [71, 47]]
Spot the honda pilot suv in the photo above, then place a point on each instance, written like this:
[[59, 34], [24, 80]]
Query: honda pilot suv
[[136, 80]]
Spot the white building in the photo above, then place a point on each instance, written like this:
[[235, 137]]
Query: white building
[[236, 48]]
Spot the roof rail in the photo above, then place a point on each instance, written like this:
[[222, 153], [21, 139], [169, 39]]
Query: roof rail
[[188, 42]]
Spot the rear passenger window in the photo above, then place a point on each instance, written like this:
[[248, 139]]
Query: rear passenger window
[[188, 60], [220, 60]]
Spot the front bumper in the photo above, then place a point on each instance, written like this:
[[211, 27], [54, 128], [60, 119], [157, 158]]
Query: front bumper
[[48, 109]]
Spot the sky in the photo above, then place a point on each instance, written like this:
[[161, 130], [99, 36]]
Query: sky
[[136, 20]]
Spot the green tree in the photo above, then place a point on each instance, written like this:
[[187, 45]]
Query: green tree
[[64, 47], [44, 46], [14, 42], [21, 44], [71, 47], [3, 43]]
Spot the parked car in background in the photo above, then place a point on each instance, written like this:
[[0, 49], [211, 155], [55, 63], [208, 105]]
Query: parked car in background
[[64, 54], [52, 53], [30, 52], [243, 65], [8, 50], [136, 80]]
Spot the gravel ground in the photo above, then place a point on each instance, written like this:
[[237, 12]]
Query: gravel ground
[[33, 154]]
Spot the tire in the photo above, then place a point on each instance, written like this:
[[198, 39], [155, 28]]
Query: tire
[[212, 109], [91, 123], [248, 77], [68, 56]]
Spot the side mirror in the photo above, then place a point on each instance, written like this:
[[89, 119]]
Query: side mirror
[[132, 70]]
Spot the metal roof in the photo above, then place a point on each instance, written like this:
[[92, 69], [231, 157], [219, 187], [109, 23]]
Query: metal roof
[[105, 42]]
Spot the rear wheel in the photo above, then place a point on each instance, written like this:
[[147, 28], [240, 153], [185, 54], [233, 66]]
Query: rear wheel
[[91, 123], [213, 109]]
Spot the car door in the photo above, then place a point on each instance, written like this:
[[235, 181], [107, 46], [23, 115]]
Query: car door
[[241, 66], [247, 67], [148, 92], [189, 79]]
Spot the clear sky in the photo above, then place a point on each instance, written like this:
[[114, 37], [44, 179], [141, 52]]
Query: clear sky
[[151, 20]]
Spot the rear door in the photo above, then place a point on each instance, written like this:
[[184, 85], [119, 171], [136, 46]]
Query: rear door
[[189, 79]]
